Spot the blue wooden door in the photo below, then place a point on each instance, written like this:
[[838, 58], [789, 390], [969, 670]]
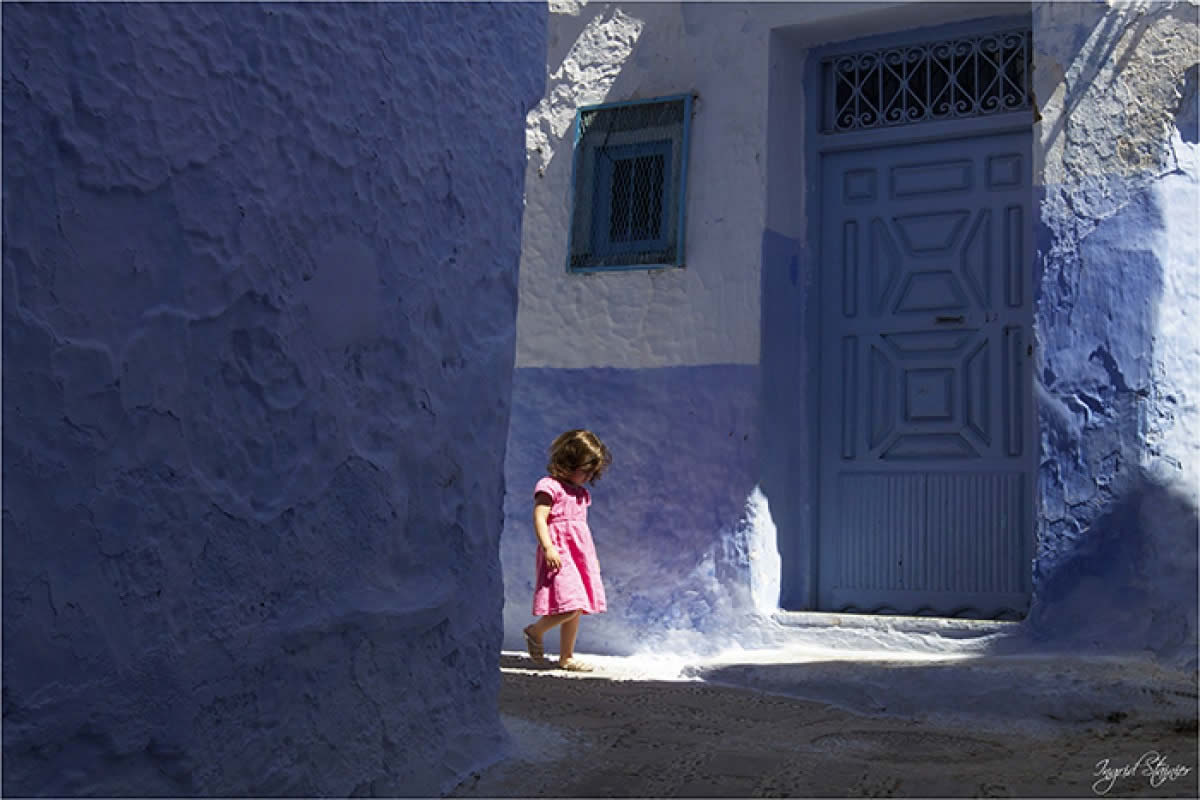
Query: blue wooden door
[[926, 434]]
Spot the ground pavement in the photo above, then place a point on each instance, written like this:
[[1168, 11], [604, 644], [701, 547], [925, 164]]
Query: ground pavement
[[829, 726]]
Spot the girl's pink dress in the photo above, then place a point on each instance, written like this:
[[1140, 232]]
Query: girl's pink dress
[[576, 584]]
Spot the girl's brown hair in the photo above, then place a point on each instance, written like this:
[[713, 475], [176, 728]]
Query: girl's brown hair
[[578, 449]]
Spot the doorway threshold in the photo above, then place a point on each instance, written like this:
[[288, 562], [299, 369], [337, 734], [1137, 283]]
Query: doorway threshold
[[897, 634], [950, 627]]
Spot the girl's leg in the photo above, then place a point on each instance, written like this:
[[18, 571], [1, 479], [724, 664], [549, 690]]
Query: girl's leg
[[535, 632], [570, 629], [538, 629]]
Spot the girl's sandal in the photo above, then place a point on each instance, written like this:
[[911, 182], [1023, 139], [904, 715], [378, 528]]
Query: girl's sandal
[[571, 665], [536, 651]]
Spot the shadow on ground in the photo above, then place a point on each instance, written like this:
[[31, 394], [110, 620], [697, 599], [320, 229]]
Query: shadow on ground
[[606, 735], [987, 690]]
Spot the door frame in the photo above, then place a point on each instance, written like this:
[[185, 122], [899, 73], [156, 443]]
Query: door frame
[[817, 144]]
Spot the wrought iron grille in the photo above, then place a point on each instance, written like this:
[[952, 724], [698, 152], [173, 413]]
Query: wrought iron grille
[[967, 77], [629, 180]]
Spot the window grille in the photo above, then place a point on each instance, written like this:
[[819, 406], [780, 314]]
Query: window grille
[[629, 185], [968, 77]]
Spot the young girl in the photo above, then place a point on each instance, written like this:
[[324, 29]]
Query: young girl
[[568, 574]]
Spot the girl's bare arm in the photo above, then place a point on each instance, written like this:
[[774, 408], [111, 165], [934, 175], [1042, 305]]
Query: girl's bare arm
[[541, 510]]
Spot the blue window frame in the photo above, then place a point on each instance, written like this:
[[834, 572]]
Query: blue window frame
[[629, 185]]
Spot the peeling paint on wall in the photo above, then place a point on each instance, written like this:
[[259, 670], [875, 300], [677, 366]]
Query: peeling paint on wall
[[1116, 378]]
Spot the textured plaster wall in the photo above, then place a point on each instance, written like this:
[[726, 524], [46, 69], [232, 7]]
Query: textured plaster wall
[[669, 519], [695, 377], [259, 293], [649, 318], [662, 364], [709, 311], [1116, 383], [1116, 269]]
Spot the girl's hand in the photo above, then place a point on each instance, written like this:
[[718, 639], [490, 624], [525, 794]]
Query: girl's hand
[[553, 560]]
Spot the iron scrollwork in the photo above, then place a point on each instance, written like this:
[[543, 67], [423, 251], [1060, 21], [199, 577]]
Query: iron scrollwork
[[967, 77]]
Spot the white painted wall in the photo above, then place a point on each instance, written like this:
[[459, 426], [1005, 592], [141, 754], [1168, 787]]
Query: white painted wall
[[709, 311], [661, 317], [670, 366], [1106, 75]]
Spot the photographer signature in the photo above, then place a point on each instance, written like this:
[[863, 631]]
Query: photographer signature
[[1152, 765]]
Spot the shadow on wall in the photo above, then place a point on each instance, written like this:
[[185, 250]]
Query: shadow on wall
[[1186, 113], [250, 504], [1117, 555], [788, 452], [1117, 558], [670, 518], [673, 518], [1107, 26], [1130, 582]]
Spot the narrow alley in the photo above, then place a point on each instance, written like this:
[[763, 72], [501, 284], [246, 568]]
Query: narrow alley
[[1073, 728]]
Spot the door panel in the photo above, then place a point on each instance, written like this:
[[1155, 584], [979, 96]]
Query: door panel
[[926, 446]]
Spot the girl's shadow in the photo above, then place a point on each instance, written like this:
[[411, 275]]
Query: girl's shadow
[[522, 662]]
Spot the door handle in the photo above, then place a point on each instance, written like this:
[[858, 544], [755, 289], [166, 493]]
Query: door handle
[[948, 320]]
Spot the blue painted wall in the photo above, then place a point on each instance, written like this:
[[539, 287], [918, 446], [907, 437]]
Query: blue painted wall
[[1114, 139], [668, 518], [788, 411], [1116, 382], [259, 260], [1116, 561]]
